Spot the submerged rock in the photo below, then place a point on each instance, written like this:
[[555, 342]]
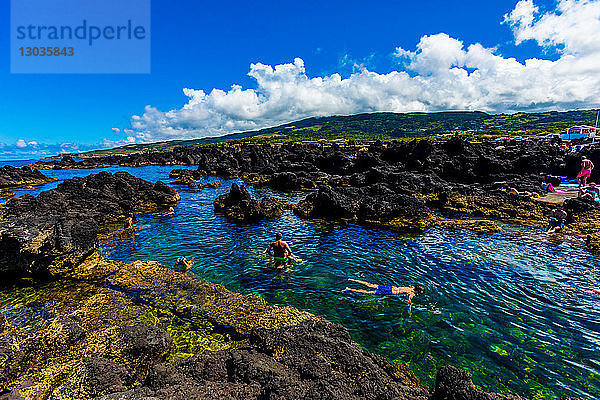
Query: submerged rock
[[185, 180], [60, 227]]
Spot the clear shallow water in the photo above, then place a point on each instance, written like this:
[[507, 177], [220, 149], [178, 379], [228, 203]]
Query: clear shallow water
[[498, 305]]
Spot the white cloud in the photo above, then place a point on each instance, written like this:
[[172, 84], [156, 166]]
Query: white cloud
[[441, 73], [21, 143], [575, 24]]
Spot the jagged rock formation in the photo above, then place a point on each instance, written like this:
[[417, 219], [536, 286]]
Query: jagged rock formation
[[11, 177], [67, 162], [454, 176], [239, 206], [61, 226]]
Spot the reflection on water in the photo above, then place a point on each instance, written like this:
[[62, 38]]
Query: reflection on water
[[499, 305]]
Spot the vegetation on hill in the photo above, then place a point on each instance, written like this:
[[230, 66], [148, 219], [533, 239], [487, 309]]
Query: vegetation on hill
[[388, 126]]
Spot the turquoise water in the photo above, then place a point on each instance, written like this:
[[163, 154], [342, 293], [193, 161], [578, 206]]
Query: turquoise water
[[500, 305]]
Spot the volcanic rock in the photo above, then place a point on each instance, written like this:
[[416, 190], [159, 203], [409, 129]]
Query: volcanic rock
[[239, 206], [11, 177], [61, 225]]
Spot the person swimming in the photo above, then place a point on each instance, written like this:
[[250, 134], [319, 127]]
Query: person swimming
[[557, 220], [411, 291], [279, 250], [183, 265], [129, 221]]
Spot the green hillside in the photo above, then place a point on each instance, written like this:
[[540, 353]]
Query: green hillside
[[386, 126]]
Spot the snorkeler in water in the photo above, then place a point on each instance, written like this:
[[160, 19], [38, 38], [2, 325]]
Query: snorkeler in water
[[411, 291]]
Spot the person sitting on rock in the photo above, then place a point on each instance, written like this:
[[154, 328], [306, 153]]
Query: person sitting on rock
[[183, 265], [557, 220], [586, 171], [129, 222], [589, 192], [411, 291], [279, 250]]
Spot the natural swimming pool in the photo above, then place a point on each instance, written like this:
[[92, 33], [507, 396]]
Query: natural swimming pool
[[498, 305]]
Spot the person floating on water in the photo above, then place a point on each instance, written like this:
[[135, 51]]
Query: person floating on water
[[586, 171], [411, 291], [557, 220], [279, 250], [183, 265]]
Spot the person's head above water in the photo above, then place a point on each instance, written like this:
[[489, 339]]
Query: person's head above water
[[278, 236], [419, 289]]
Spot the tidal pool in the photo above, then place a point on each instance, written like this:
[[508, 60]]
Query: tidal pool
[[507, 306]]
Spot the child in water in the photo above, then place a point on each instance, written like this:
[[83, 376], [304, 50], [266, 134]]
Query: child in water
[[411, 291]]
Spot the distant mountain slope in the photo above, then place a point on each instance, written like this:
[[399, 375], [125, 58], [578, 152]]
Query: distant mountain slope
[[390, 126]]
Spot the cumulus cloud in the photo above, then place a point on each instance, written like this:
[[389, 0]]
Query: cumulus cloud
[[21, 143], [441, 73]]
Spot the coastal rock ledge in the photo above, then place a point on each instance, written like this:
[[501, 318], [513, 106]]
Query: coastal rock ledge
[[60, 227]]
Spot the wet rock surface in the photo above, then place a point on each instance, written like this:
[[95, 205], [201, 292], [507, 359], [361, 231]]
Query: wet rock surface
[[11, 177], [61, 226], [239, 206]]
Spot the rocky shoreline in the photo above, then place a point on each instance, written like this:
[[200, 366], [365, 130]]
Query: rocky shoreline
[[24, 177], [407, 186], [142, 331]]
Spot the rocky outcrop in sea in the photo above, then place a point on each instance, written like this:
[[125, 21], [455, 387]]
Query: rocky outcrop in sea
[[11, 177]]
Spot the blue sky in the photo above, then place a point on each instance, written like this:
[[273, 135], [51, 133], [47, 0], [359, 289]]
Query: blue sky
[[206, 45]]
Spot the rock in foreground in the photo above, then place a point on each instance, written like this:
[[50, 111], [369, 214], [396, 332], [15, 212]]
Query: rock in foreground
[[142, 331]]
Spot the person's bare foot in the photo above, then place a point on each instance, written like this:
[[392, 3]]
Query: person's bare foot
[[347, 288]]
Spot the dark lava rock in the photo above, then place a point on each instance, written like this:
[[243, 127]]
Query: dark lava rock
[[11, 177], [239, 206], [580, 205], [455, 384], [185, 180], [68, 162], [372, 203], [150, 343], [96, 376], [191, 173], [313, 360], [61, 225], [6, 194]]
